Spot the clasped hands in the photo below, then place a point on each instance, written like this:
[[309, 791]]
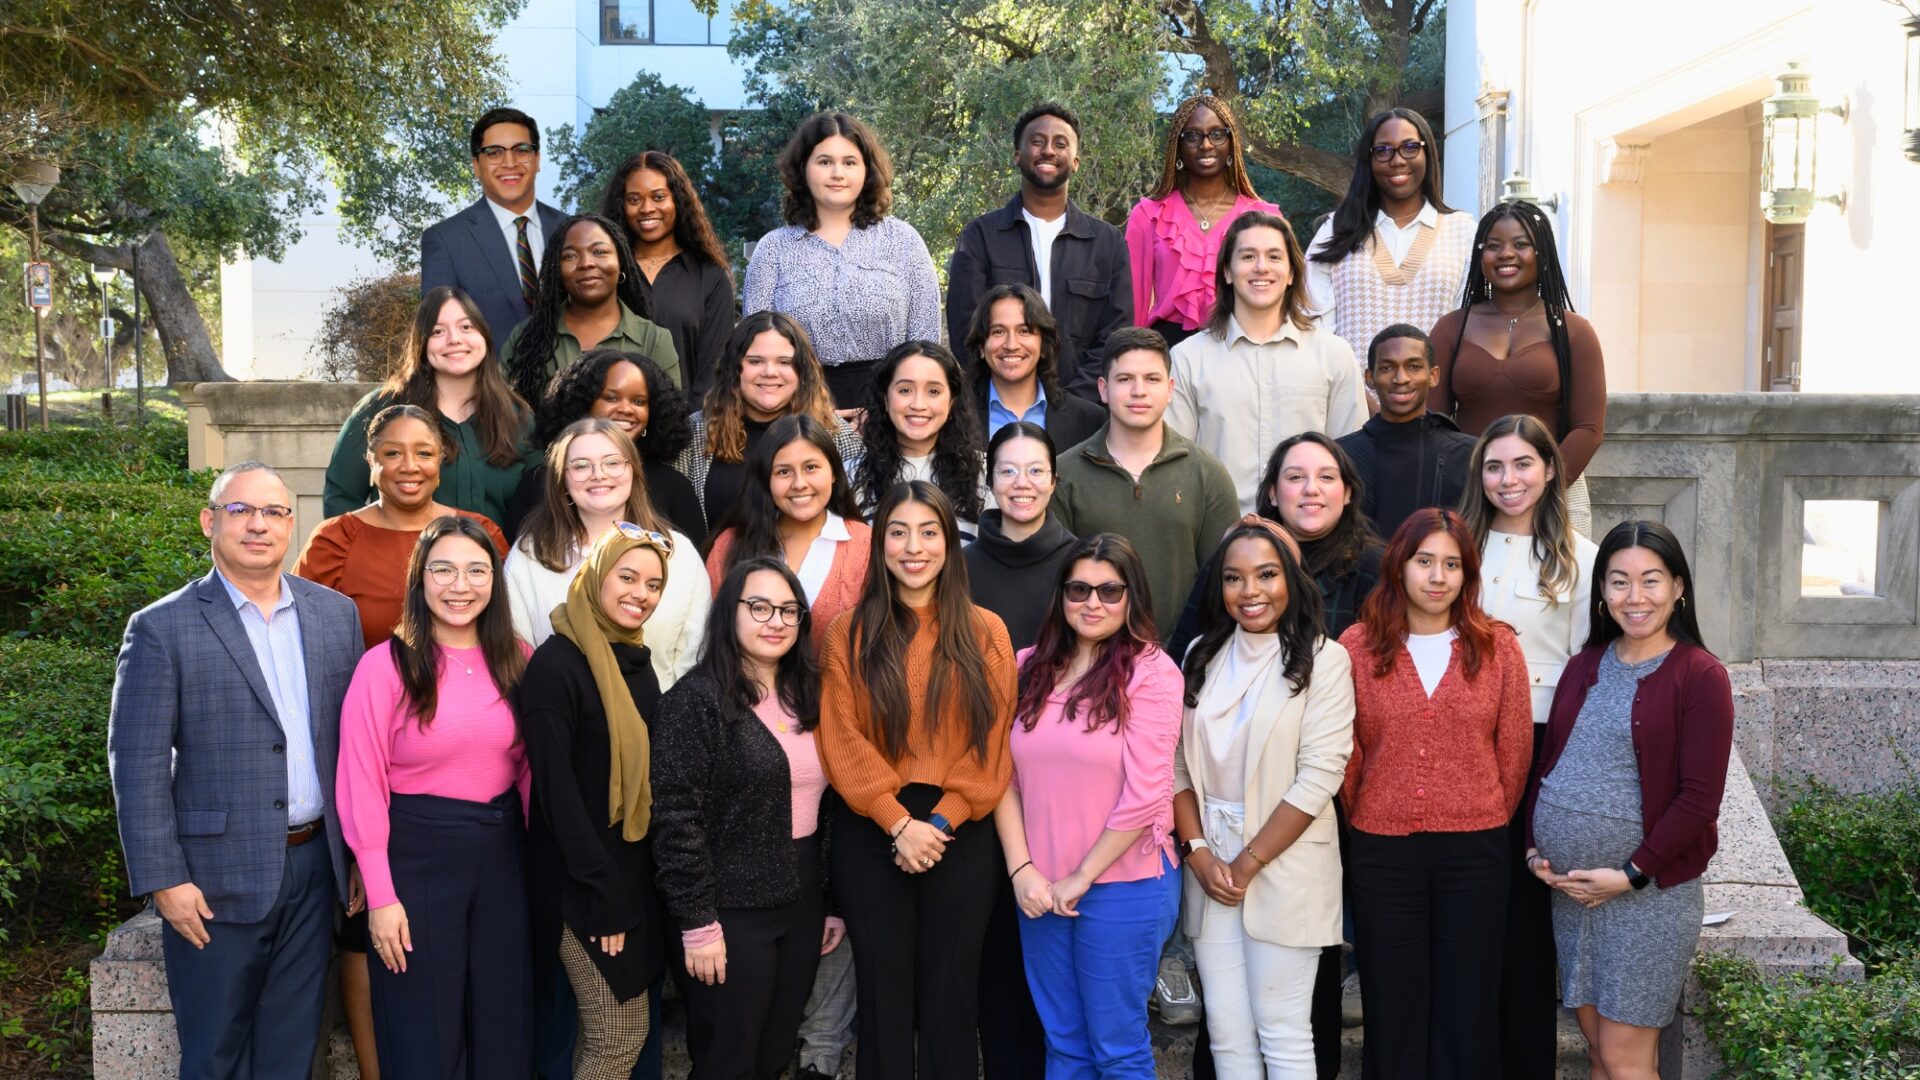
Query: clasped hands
[[1589, 887], [1226, 882], [918, 846]]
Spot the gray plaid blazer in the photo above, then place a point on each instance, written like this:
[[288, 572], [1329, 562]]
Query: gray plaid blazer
[[196, 752]]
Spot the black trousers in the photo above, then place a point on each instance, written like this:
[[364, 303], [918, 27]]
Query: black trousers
[[1529, 1014], [1013, 1044], [1429, 914], [249, 1004], [462, 1010], [743, 1028], [848, 382], [916, 944]]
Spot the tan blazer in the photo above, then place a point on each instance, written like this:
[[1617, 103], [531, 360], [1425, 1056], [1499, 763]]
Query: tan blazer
[[1297, 753]]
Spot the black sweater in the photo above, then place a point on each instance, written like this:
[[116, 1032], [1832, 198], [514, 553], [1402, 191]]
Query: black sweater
[[1015, 579], [1408, 467], [579, 868], [722, 808]]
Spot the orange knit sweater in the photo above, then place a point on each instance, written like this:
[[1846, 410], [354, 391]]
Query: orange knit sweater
[[849, 745]]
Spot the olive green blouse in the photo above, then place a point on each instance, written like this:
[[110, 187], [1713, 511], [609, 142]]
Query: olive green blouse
[[469, 482], [632, 334]]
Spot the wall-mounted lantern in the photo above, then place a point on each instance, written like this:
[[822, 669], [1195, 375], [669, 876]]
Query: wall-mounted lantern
[[1790, 121], [1911, 141], [1518, 188]]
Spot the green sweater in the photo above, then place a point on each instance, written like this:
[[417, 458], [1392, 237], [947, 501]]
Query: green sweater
[[468, 482], [632, 334], [1174, 515]]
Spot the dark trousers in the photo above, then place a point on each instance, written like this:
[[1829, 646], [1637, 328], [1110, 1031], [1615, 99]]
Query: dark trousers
[[1429, 916], [1013, 1045], [744, 1028], [1529, 1014], [848, 382], [462, 1009], [248, 1006], [916, 944], [1175, 334]]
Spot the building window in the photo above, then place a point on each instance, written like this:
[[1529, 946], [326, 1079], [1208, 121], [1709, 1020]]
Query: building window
[[663, 22]]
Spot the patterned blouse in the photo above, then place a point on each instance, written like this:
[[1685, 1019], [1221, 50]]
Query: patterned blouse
[[856, 301]]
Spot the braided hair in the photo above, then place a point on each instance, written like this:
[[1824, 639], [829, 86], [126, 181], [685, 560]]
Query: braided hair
[[533, 342], [1552, 284], [1170, 172]]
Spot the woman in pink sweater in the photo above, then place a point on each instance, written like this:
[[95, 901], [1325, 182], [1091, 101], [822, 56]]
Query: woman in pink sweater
[[432, 786], [797, 507], [1087, 822], [1442, 736]]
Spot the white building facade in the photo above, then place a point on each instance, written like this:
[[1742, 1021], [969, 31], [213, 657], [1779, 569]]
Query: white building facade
[[563, 59]]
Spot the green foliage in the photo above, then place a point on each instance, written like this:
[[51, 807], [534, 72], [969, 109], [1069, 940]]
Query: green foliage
[[1804, 1027], [646, 114], [1858, 859], [743, 190]]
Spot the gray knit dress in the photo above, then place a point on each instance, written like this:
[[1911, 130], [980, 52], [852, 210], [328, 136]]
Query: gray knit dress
[[1628, 957]]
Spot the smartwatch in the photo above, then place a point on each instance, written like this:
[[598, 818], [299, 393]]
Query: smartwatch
[[1188, 847], [939, 821], [1634, 877]]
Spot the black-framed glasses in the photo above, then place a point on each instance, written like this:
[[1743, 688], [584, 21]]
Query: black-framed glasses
[[444, 574], [1410, 149], [1109, 592], [634, 532], [1217, 136], [238, 511], [520, 151], [761, 610]]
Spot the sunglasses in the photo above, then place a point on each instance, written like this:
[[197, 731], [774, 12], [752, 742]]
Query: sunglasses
[[634, 532], [1110, 592]]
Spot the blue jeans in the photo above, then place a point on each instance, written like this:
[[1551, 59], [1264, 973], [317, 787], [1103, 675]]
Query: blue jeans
[[1091, 976]]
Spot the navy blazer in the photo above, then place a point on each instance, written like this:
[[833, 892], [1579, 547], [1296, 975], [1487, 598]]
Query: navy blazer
[[469, 252], [1091, 276], [196, 751]]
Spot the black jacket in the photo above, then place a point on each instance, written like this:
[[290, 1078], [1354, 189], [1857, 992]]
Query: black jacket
[[579, 869], [1091, 278], [722, 808], [1015, 579], [1070, 420], [1408, 467]]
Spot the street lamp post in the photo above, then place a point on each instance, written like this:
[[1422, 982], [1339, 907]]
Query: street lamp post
[[104, 276], [32, 181]]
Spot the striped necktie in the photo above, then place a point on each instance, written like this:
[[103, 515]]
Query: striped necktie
[[523, 255]]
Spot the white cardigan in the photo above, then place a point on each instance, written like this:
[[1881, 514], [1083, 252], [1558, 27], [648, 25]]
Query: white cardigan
[[1550, 633], [673, 631]]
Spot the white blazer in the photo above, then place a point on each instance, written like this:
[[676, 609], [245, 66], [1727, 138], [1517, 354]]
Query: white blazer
[[1297, 752], [1550, 633]]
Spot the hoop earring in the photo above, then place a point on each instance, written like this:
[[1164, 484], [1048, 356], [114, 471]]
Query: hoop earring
[[1599, 608], [1179, 165]]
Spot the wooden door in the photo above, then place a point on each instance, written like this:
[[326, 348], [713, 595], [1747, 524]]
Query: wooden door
[[1786, 266]]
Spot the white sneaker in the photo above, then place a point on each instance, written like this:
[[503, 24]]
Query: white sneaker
[[1174, 993], [1350, 1016]]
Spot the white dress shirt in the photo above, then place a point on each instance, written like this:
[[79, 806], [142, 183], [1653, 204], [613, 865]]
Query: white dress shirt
[[813, 569], [1399, 241], [536, 236]]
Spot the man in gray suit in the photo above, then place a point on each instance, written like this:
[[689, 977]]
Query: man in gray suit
[[222, 745], [492, 249]]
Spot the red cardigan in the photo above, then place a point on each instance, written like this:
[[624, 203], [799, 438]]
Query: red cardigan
[[1682, 738], [1455, 762], [841, 590]]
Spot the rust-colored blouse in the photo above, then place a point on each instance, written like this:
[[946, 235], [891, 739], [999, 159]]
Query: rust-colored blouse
[[1476, 389], [369, 565]]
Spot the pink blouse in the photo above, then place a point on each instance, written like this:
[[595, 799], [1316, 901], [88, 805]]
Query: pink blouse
[[1075, 784], [470, 751], [1173, 258], [803, 762]]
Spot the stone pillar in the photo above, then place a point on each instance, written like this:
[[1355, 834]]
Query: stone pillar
[[133, 1035]]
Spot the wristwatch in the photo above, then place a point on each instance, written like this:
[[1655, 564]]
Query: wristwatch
[[1188, 847], [1634, 877], [939, 821]]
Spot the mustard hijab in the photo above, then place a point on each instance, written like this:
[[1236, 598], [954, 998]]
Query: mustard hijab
[[581, 621]]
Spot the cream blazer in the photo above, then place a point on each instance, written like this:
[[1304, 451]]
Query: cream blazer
[[1550, 634], [1296, 752]]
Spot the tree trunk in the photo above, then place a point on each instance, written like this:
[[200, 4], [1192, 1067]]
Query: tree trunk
[[176, 316]]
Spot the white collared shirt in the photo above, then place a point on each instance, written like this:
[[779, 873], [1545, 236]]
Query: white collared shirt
[[1044, 233], [536, 236], [1399, 240], [280, 652], [813, 569]]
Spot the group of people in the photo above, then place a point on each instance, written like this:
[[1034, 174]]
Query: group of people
[[1205, 603]]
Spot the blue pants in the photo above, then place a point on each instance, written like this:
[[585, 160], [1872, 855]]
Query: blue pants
[[1091, 977]]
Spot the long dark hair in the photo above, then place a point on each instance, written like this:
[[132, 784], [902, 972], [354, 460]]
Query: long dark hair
[[572, 393], [796, 680], [533, 350], [417, 655], [1035, 315], [1342, 548], [1170, 171], [957, 452], [1300, 626], [1102, 689], [1353, 218], [1293, 301], [755, 519], [725, 413], [1554, 295], [882, 625], [1384, 613], [1657, 538], [876, 192], [691, 229], [1554, 553], [498, 412]]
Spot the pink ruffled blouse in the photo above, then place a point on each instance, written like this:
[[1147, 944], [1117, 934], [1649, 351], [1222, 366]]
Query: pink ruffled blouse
[[1173, 258]]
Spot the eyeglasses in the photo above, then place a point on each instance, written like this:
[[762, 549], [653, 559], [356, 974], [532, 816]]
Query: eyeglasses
[[239, 511], [1384, 152], [762, 611], [582, 469], [634, 532], [444, 574], [1007, 474], [1216, 136], [1110, 592], [519, 151]]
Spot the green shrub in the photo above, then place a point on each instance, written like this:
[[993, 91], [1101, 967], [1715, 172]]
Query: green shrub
[[1804, 1028], [153, 451], [78, 574], [1858, 859], [59, 850]]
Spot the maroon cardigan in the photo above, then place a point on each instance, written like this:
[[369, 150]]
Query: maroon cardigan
[[1682, 738]]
